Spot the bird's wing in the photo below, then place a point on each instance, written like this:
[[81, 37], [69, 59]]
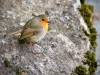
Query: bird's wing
[[29, 23], [29, 32]]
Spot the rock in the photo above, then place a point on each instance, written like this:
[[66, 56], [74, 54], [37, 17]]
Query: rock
[[62, 48]]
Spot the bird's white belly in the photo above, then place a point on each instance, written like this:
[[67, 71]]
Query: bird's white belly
[[37, 37]]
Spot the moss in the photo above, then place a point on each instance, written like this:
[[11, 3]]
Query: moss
[[62, 71], [85, 32], [64, 12], [92, 39], [94, 44], [7, 63], [49, 28], [70, 27], [91, 62], [58, 4], [92, 30], [91, 7], [72, 35], [52, 46], [82, 1], [33, 15], [18, 71], [93, 35], [84, 38], [86, 11], [81, 70], [80, 35], [87, 20], [69, 19], [23, 41], [51, 39], [46, 12]]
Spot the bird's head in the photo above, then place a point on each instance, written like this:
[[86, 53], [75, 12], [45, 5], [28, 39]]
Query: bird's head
[[43, 20]]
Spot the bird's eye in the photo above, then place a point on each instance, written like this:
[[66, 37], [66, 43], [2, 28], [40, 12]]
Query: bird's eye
[[42, 19]]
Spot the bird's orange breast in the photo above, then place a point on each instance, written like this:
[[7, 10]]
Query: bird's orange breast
[[45, 25]]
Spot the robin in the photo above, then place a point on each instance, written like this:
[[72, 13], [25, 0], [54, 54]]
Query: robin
[[34, 30]]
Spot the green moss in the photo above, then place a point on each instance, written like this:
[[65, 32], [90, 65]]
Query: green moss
[[86, 11], [18, 71], [85, 32], [52, 46], [80, 35], [7, 63], [91, 62], [62, 71], [84, 38], [91, 7], [87, 20], [81, 70], [93, 35], [23, 41], [16, 57], [64, 12], [92, 39], [82, 1], [93, 30], [70, 27], [58, 4], [51, 39], [69, 19], [33, 15], [49, 28], [72, 35], [46, 12]]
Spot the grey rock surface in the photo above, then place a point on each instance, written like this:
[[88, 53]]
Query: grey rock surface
[[62, 48]]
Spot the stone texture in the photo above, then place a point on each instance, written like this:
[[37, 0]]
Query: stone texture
[[63, 47]]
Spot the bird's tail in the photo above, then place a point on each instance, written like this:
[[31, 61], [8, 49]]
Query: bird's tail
[[16, 32]]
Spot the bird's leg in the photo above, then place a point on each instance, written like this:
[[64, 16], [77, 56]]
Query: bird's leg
[[30, 46]]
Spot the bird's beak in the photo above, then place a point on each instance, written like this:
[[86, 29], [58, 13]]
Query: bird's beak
[[49, 22]]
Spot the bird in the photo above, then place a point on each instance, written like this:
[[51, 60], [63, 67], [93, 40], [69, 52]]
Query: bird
[[34, 30]]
